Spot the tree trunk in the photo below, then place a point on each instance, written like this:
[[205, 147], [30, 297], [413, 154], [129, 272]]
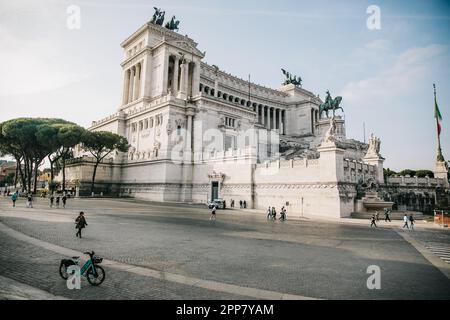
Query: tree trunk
[[22, 177], [16, 173], [63, 174], [36, 166], [52, 175], [93, 175], [30, 176], [27, 175]]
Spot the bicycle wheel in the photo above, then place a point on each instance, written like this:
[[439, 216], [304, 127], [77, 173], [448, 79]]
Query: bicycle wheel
[[63, 270], [96, 280]]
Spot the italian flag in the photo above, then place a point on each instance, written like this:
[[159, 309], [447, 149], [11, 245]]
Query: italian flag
[[438, 116]]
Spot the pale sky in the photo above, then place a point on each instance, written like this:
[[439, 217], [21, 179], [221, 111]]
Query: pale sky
[[384, 76]]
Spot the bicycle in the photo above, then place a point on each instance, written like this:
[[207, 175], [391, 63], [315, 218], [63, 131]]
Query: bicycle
[[91, 270]]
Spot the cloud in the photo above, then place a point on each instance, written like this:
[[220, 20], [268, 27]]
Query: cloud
[[35, 57], [396, 79], [378, 44]]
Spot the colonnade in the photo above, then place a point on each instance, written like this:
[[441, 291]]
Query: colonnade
[[132, 83]]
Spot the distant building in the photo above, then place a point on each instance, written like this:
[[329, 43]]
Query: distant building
[[7, 168]]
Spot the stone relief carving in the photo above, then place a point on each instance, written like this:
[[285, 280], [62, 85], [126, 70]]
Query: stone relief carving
[[216, 175], [169, 127], [131, 152], [180, 122], [221, 122]]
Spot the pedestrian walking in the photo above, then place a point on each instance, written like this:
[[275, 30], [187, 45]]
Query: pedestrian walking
[[14, 198], [274, 213], [283, 214], [373, 222], [52, 200], [80, 223], [64, 199], [386, 215], [244, 203], [232, 203], [57, 201], [269, 213], [213, 213], [405, 220], [29, 200], [411, 221], [240, 204], [377, 216]]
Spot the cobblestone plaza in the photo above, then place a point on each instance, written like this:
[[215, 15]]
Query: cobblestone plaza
[[173, 251]]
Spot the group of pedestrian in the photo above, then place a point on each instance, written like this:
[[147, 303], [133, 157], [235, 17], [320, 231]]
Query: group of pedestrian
[[408, 221], [58, 199], [242, 204], [272, 213], [30, 199]]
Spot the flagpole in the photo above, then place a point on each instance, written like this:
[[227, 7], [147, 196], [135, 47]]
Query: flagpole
[[439, 150]]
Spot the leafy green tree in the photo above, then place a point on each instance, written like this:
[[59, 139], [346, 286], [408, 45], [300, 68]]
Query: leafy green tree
[[409, 172], [68, 136], [30, 141], [100, 144], [388, 172], [424, 173]]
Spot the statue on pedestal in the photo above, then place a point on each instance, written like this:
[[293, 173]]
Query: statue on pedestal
[[330, 104], [172, 24], [291, 79], [158, 17], [374, 147]]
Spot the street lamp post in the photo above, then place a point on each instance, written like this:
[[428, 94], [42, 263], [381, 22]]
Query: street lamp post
[[302, 207]]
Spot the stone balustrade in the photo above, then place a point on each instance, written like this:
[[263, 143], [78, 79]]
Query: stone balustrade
[[414, 181]]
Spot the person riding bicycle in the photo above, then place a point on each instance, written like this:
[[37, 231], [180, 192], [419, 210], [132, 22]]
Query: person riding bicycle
[[80, 223]]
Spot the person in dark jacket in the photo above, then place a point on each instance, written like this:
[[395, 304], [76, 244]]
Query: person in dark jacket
[[373, 222], [411, 221], [80, 223], [64, 199], [14, 198]]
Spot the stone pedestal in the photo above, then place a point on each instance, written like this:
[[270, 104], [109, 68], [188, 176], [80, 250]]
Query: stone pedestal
[[324, 124], [332, 162], [441, 171], [376, 161]]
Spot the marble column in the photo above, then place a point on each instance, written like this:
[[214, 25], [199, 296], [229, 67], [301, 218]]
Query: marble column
[[183, 80], [165, 74], [196, 81], [269, 118], [216, 88], [130, 89], [175, 77], [137, 81], [188, 147], [126, 84]]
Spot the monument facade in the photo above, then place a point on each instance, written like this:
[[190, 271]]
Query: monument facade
[[198, 133]]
